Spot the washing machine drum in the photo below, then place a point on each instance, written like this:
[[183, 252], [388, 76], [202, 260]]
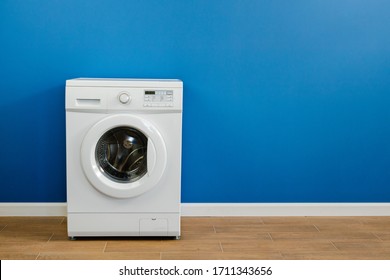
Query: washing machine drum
[[123, 156]]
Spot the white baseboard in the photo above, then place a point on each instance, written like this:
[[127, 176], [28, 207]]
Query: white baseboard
[[224, 209], [285, 209], [33, 209]]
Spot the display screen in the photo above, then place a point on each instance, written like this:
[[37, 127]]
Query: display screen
[[158, 98]]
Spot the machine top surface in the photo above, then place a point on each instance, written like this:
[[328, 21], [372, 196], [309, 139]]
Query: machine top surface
[[113, 82]]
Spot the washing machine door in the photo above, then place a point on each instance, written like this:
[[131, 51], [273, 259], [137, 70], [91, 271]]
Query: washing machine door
[[123, 156]]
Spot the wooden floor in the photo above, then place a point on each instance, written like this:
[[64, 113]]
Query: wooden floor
[[273, 238]]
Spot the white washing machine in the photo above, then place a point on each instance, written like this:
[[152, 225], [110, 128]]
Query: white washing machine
[[123, 141]]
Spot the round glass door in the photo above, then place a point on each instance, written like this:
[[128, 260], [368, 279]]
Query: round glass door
[[121, 154]]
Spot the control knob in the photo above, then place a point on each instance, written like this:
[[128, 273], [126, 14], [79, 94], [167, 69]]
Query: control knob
[[124, 98]]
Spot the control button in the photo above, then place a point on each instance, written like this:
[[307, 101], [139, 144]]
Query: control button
[[124, 98]]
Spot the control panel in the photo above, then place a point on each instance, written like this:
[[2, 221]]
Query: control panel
[[158, 98]]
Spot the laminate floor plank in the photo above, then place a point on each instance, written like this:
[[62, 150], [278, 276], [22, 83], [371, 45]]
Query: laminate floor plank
[[333, 236], [335, 220], [266, 228], [10, 236], [221, 256], [248, 237], [282, 245], [31, 255], [285, 220], [98, 256], [21, 246], [384, 228], [163, 246], [74, 246], [319, 255]]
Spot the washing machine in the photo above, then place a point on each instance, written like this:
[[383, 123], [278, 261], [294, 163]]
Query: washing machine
[[123, 148]]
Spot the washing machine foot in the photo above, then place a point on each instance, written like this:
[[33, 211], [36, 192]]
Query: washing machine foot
[[72, 238], [177, 237]]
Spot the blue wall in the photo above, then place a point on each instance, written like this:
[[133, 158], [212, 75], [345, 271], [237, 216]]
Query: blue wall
[[285, 101]]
